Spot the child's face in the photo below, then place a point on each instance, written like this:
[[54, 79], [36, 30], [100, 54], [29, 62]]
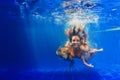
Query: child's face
[[75, 41], [83, 41]]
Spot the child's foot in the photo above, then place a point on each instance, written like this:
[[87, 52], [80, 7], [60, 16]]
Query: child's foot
[[101, 49]]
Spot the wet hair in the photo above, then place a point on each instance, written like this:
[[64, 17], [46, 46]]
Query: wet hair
[[59, 50], [74, 33]]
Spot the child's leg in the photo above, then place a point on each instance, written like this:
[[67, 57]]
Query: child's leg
[[92, 52]]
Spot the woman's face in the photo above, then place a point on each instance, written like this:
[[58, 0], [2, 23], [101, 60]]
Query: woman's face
[[75, 41]]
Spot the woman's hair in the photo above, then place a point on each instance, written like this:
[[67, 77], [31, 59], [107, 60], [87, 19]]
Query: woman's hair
[[73, 33]]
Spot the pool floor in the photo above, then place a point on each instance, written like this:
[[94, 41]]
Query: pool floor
[[107, 72]]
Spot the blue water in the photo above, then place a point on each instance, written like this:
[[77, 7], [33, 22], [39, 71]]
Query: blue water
[[28, 43]]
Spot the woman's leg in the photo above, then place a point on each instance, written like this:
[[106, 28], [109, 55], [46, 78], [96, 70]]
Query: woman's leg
[[71, 64], [85, 63]]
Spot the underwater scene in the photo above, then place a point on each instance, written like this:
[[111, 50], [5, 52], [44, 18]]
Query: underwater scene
[[59, 40]]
